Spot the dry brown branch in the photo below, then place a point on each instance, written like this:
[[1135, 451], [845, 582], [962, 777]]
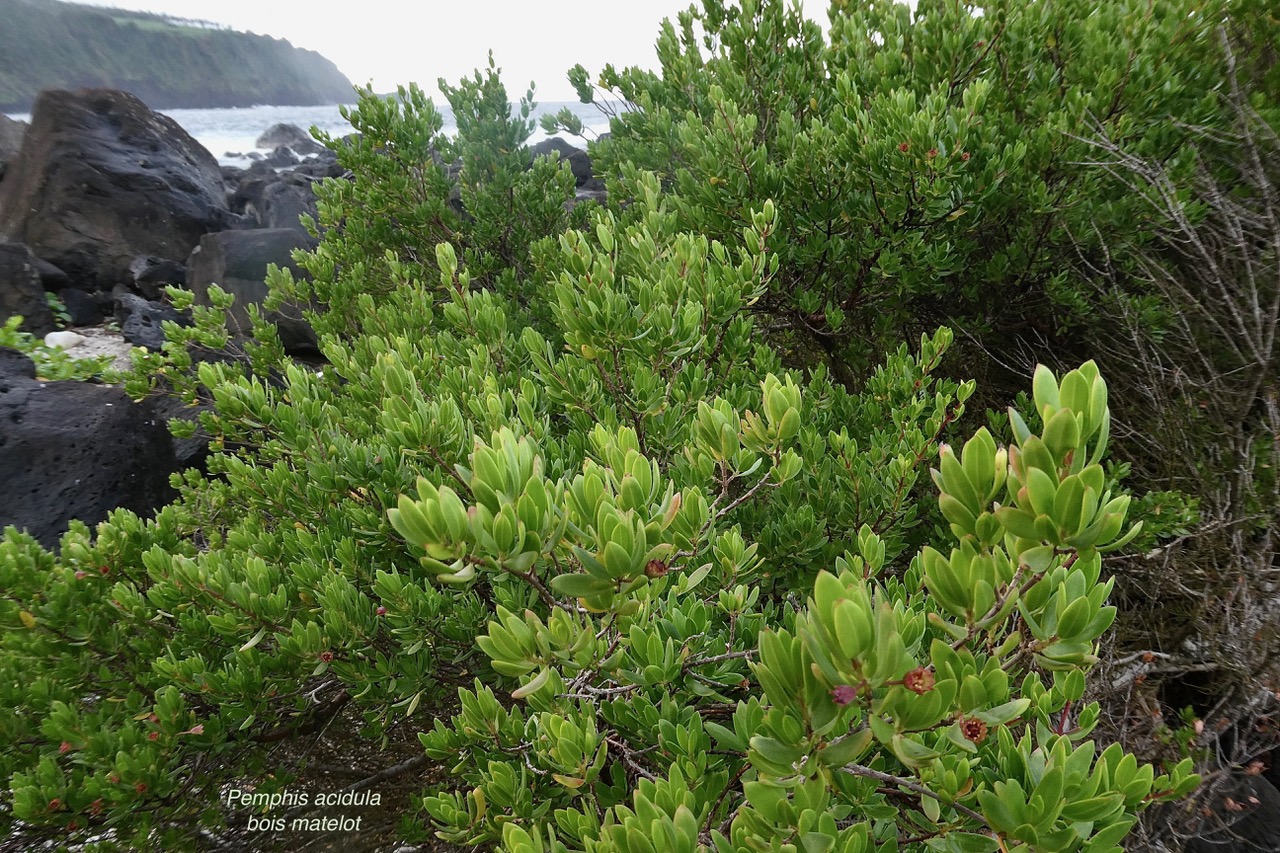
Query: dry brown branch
[[1198, 410]]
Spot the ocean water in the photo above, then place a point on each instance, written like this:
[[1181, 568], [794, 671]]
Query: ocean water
[[230, 134]]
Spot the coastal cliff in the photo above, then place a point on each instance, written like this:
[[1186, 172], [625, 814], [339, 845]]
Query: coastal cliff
[[168, 63]]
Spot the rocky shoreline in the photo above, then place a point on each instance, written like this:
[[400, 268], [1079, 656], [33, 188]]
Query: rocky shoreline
[[104, 202]]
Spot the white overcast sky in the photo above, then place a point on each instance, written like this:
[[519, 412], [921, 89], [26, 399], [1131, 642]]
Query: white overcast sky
[[392, 42]]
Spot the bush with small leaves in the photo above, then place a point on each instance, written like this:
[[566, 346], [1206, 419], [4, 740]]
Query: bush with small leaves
[[925, 158], [681, 597], [661, 704], [411, 187], [279, 590]]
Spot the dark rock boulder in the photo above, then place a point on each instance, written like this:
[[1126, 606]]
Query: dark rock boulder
[[149, 275], [22, 291], [142, 322], [237, 262], [75, 450], [84, 309], [102, 179], [14, 365], [275, 200], [262, 169], [52, 277], [245, 191], [281, 158], [289, 135], [246, 198], [190, 452], [284, 202], [579, 162], [584, 195], [11, 133], [321, 167]]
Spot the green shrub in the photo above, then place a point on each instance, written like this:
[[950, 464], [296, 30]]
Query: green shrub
[[59, 309], [924, 162], [493, 209], [681, 596], [942, 706]]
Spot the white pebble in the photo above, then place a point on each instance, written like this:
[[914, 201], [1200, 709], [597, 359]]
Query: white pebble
[[65, 340]]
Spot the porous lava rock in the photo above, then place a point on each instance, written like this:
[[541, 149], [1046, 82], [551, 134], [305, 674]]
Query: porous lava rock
[[237, 262], [22, 291], [75, 450], [142, 322], [101, 179]]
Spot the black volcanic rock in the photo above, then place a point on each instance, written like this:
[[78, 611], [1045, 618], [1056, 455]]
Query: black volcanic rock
[[84, 309], [102, 179], [290, 136], [278, 201], [51, 276], [237, 262], [578, 159], [75, 450], [281, 158], [22, 291], [150, 275], [142, 322]]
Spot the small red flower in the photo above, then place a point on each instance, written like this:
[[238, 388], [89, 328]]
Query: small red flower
[[104, 569], [73, 826], [141, 787], [974, 729], [95, 808], [326, 656], [81, 575], [843, 694], [64, 747], [933, 152], [55, 804], [153, 718], [655, 568], [114, 779], [982, 43], [919, 680], [153, 736], [382, 611], [902, 146], [965, 156]]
